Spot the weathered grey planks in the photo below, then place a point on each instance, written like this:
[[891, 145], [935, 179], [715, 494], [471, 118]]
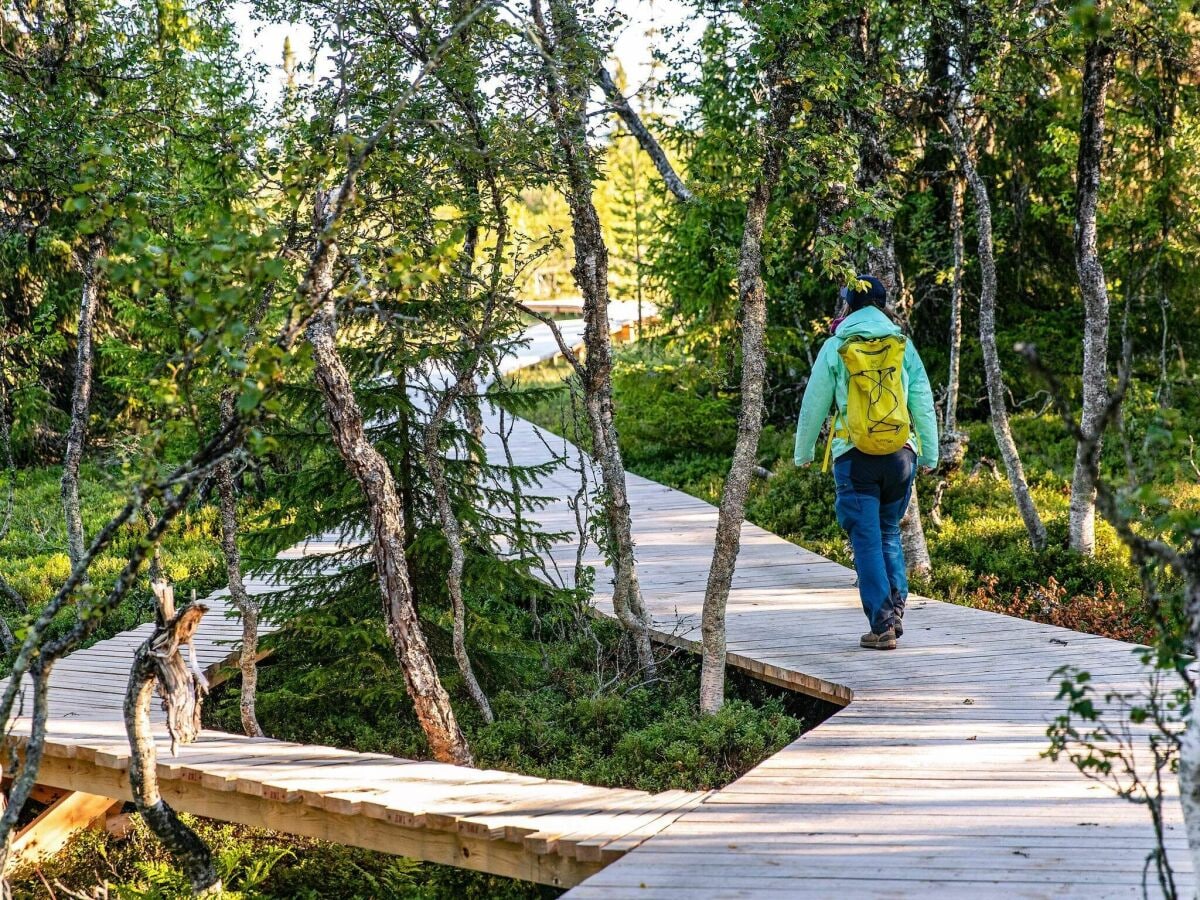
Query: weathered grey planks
[[930, 783]]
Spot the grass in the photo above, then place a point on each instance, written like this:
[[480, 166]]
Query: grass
[[33, 555]]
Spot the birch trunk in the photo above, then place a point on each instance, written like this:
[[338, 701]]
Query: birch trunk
[[453, 533], [1097, 75], [246, 605], [956, 289], [81, 398], [987, 338], [753, 298], [912, 531], [912, 538], [374, 477], [1189, 742], [567, 101]]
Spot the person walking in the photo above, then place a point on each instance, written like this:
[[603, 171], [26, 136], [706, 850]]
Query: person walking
[[884, 427]]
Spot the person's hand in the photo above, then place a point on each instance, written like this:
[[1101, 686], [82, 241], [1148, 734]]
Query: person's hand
[[806, 465], [926, 470]]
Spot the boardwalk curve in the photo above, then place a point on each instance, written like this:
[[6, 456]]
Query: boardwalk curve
[[928, 782]]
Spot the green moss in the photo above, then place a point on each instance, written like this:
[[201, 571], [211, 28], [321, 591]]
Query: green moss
[[34, 560]]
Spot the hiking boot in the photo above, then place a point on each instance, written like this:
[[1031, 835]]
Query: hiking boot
[[873, 641], [898, 623]]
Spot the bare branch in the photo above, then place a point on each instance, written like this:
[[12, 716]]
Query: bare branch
[[568, 354], [645, 139], [1089, 452]]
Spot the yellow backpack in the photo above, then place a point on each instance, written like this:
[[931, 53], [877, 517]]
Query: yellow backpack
[[876, 420]]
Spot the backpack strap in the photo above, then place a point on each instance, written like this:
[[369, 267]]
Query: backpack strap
[[833, 431]]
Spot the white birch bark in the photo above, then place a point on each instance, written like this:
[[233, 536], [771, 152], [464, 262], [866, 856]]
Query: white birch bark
[[81, 399], [997, 401], [950, 420], [753, 297], [1098, 73]]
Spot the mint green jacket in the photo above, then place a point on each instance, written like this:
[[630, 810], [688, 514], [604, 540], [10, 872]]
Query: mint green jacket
[[828, 385]]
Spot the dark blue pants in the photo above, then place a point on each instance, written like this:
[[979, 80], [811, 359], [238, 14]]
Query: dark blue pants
[[872, 496]]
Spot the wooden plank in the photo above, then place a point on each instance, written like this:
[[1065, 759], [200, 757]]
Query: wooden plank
[[604, 849], [449, 848], [57, 824]]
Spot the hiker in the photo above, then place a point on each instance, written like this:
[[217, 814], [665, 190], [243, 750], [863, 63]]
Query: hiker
[[883, 427]]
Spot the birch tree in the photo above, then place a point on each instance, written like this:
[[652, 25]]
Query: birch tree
[[997, 400], [979, 62], [1097, 76], [568, 64], [81, 393], [783, 100], [950, 413]]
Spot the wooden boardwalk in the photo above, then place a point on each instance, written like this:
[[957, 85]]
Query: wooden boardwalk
[[548, 831], [929, 782]]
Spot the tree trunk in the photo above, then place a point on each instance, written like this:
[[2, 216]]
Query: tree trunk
[[374, 477], [912, 538], [567, 101], [246, 605], [81, 396], [1097, 74], [160, 662], [956, 292], [987, 339], [453, 533], [753, 298], [1189, 742], [912, 532]]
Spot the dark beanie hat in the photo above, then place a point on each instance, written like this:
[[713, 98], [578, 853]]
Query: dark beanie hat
[[874, 294]]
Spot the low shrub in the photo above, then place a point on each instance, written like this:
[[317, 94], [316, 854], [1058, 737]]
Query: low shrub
[[1101, 612], [253, 864]]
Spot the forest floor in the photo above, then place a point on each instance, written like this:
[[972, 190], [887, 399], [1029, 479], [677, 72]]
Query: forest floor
[[33, 555]]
